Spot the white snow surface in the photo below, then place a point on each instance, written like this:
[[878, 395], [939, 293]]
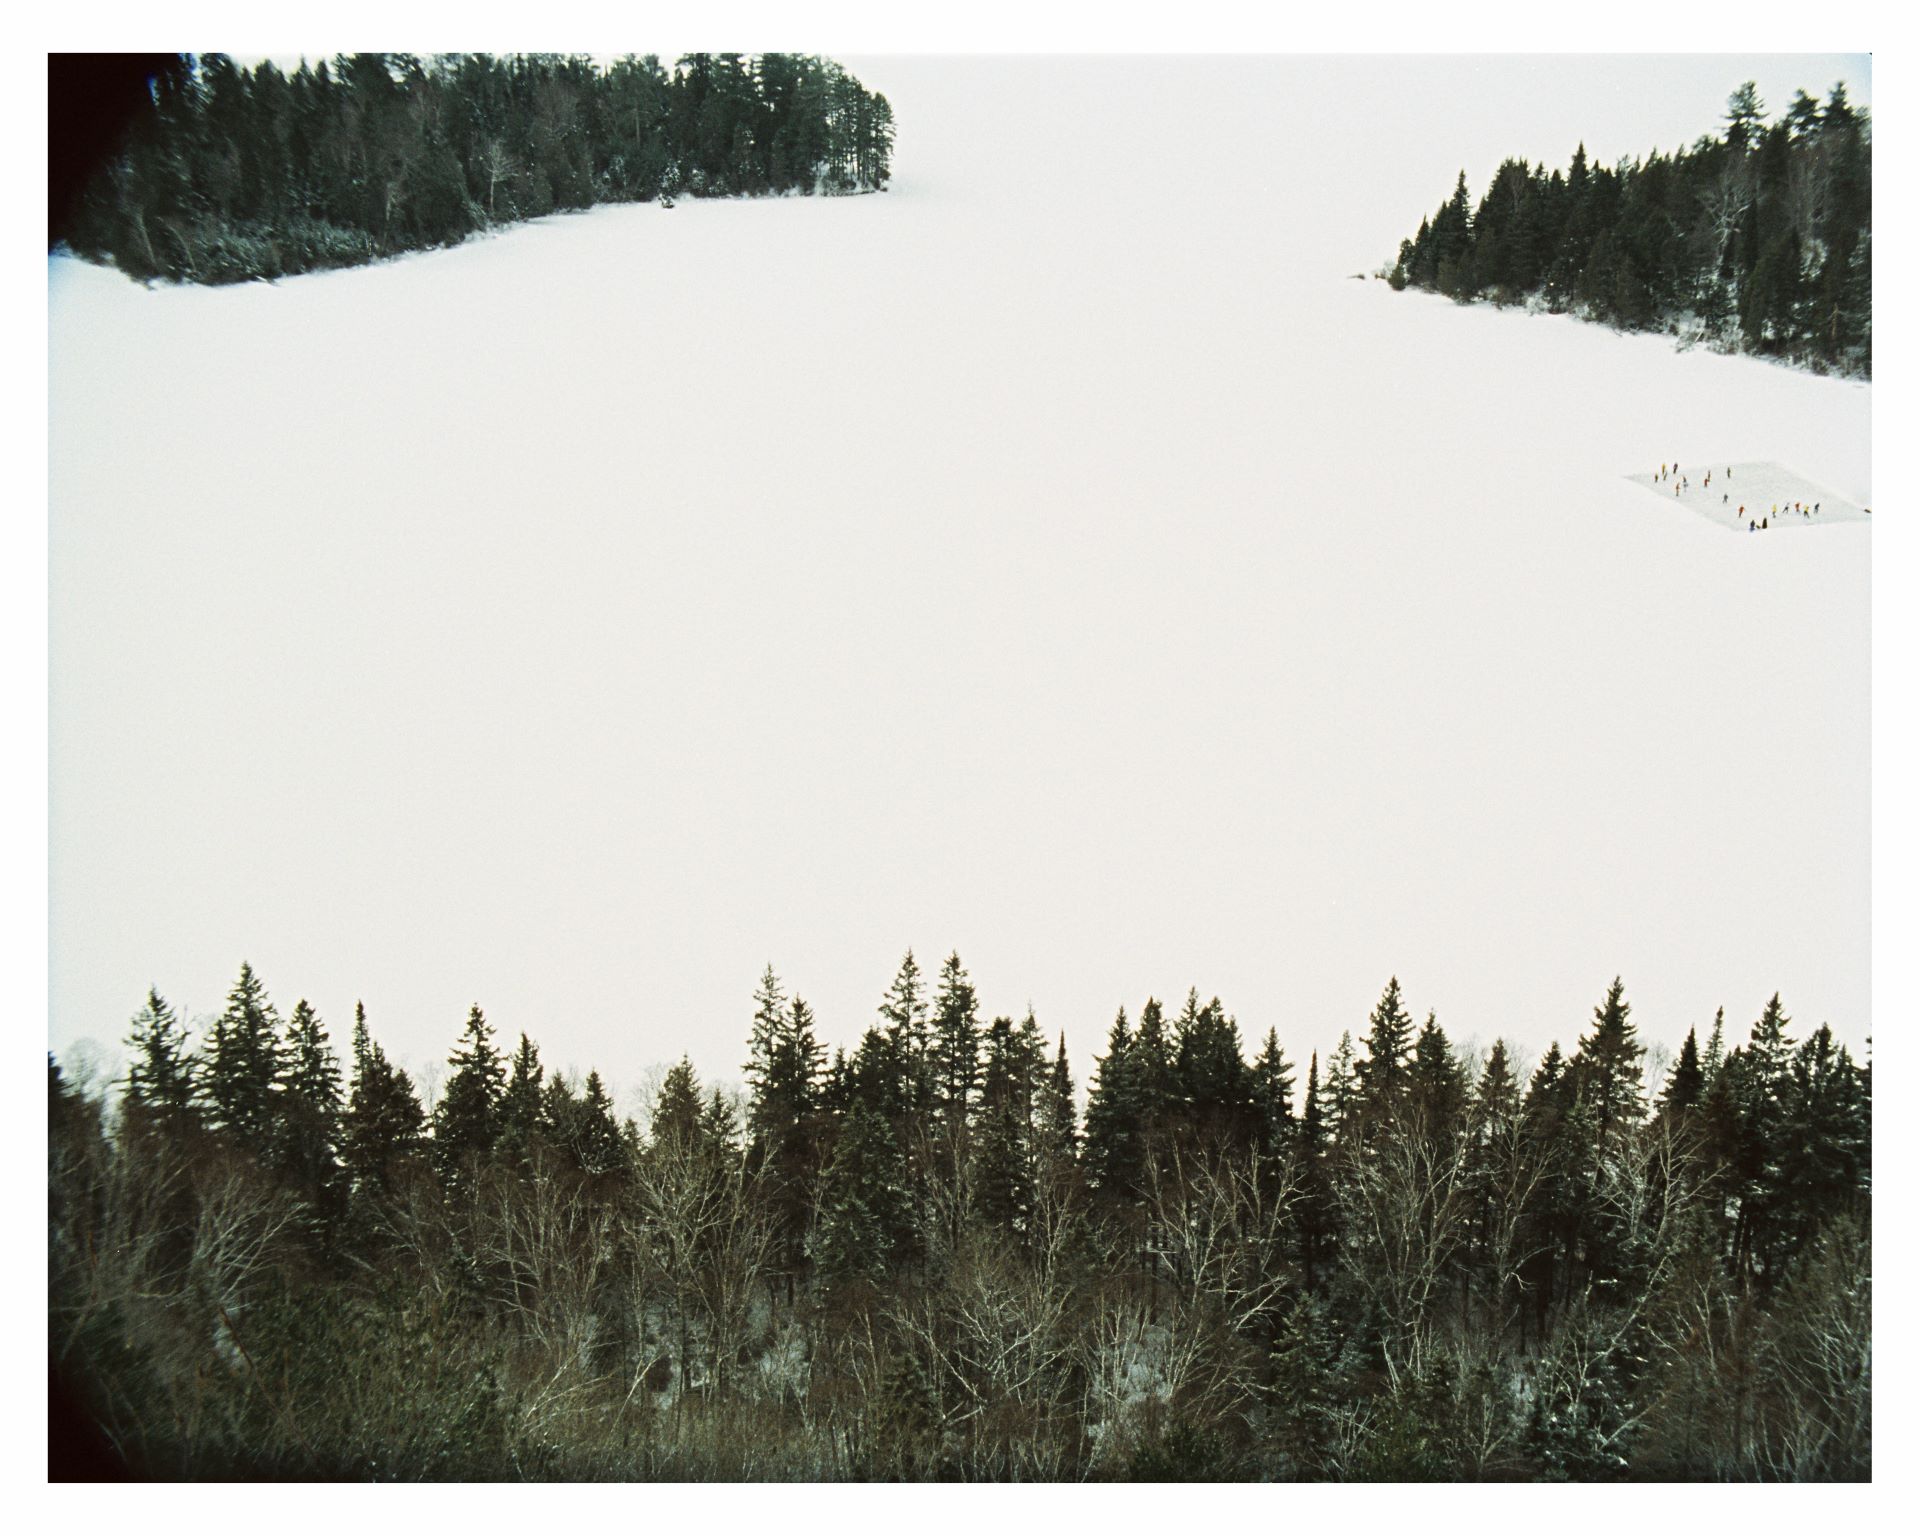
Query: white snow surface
[[1076, 570]]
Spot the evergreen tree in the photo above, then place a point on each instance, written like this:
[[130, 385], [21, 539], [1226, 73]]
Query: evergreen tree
[[1056, 1115], [679, 1116], [1212, 1086], [1116, 1134], [1687, 1082], [1436, 1086], [242, 1073], [1389, 1044], [955, 1046], [467, 1120], [1273, 1093], [520, 1101], [384, 1121], [904, 1012], [311, 1112], [597, 1145], [1608, 1066], [1002, 1172], [160, 1081]]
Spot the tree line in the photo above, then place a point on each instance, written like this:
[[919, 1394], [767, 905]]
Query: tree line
[[1760, 240], [228, 174], [919, 1259]]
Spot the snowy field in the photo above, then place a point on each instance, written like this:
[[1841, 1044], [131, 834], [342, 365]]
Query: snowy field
[[1735, 495], [1083, 571]]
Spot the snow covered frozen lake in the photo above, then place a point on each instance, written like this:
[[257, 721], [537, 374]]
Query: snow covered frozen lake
[[1080, 570]]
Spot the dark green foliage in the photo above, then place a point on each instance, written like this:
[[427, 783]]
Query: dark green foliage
[[241, 1077], [160, 1082], [467, 1120], [237, 174], [311, 1111], [885, 1269], [1760, 240], [1389, 1043], [384, 1122], [1688, 1080], [1607, 1067]]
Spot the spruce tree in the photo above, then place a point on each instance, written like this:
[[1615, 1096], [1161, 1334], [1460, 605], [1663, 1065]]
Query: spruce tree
[[1115, 1132], [598, 1146], [904, 1014], [679, 1116], [1389, 1044], [520, 1101], [1607, 1066], [311, 1111], [242, 1074], [1273, 1093], [1687, 1082], [955, 1046], [384, 1121], [160, 1080], [1437, 1088], [466, 1121]]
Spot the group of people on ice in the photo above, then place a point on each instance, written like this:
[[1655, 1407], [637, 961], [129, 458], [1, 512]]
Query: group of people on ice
[[1670, 473]]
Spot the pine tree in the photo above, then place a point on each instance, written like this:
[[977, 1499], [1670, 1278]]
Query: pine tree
[[1608, 1066], [763, 1053], [1389, 1044], [466, 1121], [1213, 1089], [311, 1111], [679, 1116], [383, 1122], [1115, 1150], [904, 1012], [1342, 1096], [1716, 1047], [520, 1102], [1055, 1115], [1687, 1082], [1273, 1093], [597, 1145], [1001, 1180], [1318, 1215], [1436, 1086], [955, 1046], [160, 1081], [242, 1074]]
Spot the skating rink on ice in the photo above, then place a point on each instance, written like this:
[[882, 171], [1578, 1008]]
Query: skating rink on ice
[[1733, 495]]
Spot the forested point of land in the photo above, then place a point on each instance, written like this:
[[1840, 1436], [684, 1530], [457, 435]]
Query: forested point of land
[[227, 174], [1758, 241], [918, 1260]]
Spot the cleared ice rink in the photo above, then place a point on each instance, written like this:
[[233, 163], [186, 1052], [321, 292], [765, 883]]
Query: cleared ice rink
[[1734, 495]]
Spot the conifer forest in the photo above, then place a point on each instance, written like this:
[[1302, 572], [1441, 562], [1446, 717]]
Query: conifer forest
[[228, 174], [1760, 240], [921, 1259]]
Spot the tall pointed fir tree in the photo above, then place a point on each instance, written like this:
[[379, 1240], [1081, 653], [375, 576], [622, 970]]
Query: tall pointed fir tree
[[161, 1086], [242, 1075], [466, 1121], [1389, 1045], [956, 1045], [1001, 1175], [1607, 1067], [903, 1013], [520, 1102], [598, 1147], [1686, 1083], [1115, 1137], [382, 1127], [310, 1119]]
